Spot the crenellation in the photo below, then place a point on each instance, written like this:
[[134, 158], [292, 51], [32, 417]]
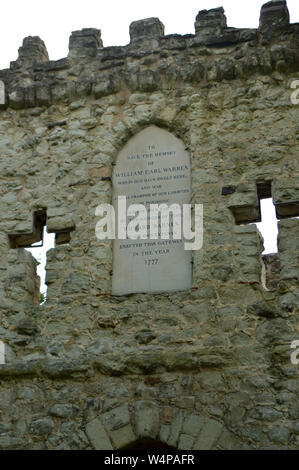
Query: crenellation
[[210, 22], [274, 14], [85, 43], [32, 50], [33, 68], [146, 29]]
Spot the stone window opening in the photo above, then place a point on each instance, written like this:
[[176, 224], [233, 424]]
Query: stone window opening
[[38, 243], [39, 251], [265, 215], [271, 215], [270, 256], [268, 227]]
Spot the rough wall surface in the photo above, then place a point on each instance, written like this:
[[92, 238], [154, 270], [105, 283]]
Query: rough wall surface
[[208, 368]]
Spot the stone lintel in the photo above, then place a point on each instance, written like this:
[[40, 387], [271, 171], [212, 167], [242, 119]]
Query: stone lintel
[[287, 210], [286, 198], [246, 214]]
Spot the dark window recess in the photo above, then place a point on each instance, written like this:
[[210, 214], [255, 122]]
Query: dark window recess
[[62, 238], [148, 445], [264, 190], [227, 190], [287, 210]]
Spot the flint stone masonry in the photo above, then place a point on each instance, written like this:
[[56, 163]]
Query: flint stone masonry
[[204, 368]]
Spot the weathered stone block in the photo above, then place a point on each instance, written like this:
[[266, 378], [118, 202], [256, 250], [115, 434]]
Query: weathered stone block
[[210, 21], [123, 437], [27, 326], [42, 426], [186, 442], [175, 428], [98, 436], [148, 80], [144, 29], [17, 98], [193, 424], [60, 223], [85, 43], [10, 443], [105, 88], [147, 419], [274, 14], [209, 435], [279, 434], [117, 418], [33, 49], [64, 411]]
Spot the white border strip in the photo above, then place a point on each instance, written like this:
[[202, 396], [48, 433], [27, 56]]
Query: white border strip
[[2, 92], [2, 353]]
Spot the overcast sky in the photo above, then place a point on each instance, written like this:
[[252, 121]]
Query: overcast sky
[[54, 20]]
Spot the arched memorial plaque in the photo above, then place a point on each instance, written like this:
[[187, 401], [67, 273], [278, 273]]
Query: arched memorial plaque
[[152, 168]]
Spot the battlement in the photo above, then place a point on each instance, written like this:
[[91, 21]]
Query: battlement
[[215, 53]]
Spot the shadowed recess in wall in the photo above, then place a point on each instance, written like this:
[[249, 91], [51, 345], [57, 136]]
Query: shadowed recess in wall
[[148, 444]]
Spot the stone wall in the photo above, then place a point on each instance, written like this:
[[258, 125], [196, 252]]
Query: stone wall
[[208, 368]]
